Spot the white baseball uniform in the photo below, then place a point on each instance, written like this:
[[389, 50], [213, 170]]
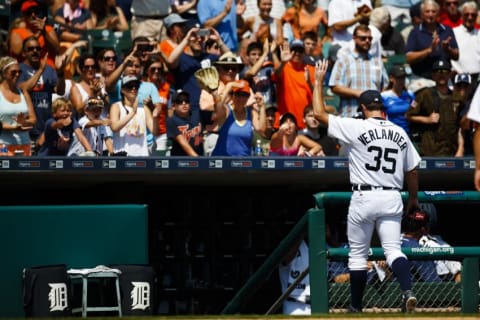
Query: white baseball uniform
[[379, 154]]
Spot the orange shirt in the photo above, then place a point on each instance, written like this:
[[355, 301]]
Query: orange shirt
[[25, 33], [293, 92], [163, 92], [305, 21]]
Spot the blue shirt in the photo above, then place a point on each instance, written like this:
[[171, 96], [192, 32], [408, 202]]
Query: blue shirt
[[424, 270], [235, 139], [420, 38], [397, 106], [190, 128], [208, 9]]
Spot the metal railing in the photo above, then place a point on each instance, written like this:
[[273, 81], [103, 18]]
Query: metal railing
[[381, 297]]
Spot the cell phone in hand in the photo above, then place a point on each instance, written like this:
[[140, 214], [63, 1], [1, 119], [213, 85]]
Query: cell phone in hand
[[145, 47], [203, 32]]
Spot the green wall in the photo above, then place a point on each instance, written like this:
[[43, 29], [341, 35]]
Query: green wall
[[79, 236]]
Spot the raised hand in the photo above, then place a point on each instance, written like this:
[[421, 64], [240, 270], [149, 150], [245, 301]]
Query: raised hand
[[321, 67], [285, 53]]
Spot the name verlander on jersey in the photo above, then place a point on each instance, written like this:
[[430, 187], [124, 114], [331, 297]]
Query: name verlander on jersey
[[383, 134]]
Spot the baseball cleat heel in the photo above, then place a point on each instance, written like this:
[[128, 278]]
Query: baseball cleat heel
[[409, 302]]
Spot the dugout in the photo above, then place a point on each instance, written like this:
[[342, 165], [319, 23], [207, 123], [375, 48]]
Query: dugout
[[209, 227]]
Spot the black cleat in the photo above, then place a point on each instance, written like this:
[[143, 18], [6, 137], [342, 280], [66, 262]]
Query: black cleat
[[409, 302], [352, 309]]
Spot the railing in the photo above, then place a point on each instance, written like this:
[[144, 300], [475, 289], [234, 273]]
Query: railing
[[313, 222]]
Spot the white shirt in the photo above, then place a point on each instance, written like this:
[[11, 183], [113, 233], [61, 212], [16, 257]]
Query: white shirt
[[379, 152], [474, 111], [469, 50], [340, 10], [278, 9]]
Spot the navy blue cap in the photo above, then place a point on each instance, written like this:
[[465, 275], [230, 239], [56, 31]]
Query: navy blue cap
[[370, 96], [441, 65]]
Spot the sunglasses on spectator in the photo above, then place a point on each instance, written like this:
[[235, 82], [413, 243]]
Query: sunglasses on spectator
[[33, 10], [228, 67], [110, 58], [449, 3], [89, 67], [131, 87], [15, 72], [364, 38], [182, 101], [34, 48], [156, 69], [241, 94], [442, 71]]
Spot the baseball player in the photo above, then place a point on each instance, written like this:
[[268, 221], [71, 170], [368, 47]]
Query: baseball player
[[380, 156]]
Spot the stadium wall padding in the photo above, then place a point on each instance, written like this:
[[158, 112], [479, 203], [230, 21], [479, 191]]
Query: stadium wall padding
[[80, 236]]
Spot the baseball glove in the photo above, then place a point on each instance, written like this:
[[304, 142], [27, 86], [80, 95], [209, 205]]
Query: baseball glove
[[207, 78]]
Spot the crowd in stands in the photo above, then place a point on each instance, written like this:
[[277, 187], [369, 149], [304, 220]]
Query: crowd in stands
[[67, 89]]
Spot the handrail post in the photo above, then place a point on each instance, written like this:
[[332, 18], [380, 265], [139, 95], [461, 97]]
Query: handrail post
[[470, 276], [318, 261]]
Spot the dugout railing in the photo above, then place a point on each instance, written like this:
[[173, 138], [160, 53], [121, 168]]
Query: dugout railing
[[379, 297]]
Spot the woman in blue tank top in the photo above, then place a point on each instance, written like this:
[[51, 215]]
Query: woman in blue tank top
[[237, 120]]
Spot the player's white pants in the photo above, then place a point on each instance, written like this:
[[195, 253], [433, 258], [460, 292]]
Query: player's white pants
[[380, 209], [296, 308]]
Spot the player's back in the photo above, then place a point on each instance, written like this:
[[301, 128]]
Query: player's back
[[379, 151]]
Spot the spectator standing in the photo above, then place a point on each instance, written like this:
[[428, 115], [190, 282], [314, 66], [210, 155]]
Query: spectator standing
[[462, 92], [450, 16], [429, 42], [17, 115], [40, 80], [270, 114], [155, 73], [221, 15], [318, 133], [147, 18], [397, 99], [59, 130], [130, 121], [287, 142], [187, 9], [344, 16], [73, 20], [175, 26], [400, 10], [305, 16], [392, 40], [96, 130], [107, 63], [88, 85], [183, 64], [468, 39], [35, 24], [238, 120], [107, 15], [259, 70], [376, 202], [293, 80], [349, 78], [259, 28], [434, 116], [184, 127], [313, 47]]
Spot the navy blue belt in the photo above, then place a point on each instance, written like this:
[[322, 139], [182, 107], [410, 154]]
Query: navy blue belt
[[364, 187], [307, 300]]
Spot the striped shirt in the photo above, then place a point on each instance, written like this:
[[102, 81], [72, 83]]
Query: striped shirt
[[353, 71]]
